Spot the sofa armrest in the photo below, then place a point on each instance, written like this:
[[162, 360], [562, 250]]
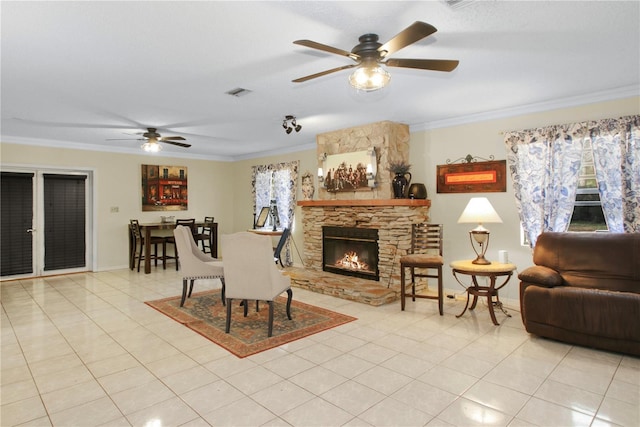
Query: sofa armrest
[[542, 276]]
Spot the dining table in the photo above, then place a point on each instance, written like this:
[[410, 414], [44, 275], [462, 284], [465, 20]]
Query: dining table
[[147, 228]]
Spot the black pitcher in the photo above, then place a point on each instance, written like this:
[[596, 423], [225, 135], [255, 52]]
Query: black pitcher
[[400, 184]]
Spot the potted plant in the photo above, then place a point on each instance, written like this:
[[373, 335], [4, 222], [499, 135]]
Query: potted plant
[[400, 182]]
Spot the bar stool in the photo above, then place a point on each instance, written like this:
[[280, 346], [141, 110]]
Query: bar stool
[[204, 235], [137, 248], [425, 254], [191, 224]]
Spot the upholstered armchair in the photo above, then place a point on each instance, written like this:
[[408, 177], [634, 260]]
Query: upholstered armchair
[[251, 274], [194, 264]]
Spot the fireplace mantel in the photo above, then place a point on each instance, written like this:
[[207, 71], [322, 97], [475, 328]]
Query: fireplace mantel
[[368, 202]]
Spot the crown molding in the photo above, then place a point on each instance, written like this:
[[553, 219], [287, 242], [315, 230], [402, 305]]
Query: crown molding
[[574, 101]]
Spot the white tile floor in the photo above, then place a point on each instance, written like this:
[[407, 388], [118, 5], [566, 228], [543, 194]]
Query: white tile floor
[[84, 350]]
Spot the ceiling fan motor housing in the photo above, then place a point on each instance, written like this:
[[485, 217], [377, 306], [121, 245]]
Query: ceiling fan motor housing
[[368, 47]]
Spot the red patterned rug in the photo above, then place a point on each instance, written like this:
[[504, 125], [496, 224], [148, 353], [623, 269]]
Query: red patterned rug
[[205, 314]]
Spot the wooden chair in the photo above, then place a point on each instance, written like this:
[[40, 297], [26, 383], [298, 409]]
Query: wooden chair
[[190, 223], [204, 235], [194, 264], [251, 274], [277, 253], [137, 247], [425, 256]]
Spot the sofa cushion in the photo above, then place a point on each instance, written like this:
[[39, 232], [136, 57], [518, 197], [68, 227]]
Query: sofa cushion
[[592, 312]]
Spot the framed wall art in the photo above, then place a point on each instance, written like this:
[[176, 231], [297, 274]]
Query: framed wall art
[[349, 171], [472, 176], [164, 188]]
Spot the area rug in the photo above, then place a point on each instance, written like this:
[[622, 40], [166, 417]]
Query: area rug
[[205, 314]]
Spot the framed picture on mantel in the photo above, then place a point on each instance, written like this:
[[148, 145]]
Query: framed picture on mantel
[[473, 177]]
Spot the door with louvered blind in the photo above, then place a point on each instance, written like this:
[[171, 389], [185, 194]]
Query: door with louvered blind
[[64, 221], [16, 223]]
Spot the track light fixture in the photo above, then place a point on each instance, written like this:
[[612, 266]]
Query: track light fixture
[[289, 124]]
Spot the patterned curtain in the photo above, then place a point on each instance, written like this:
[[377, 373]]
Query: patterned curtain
[[277, 182], [616, 152], [544, 165]]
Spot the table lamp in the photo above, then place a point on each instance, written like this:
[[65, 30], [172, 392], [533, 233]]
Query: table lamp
[[479, 210]]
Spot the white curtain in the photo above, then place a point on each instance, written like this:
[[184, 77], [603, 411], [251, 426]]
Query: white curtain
[[616, 152], [277, 182], [544, 166], [545, 162]]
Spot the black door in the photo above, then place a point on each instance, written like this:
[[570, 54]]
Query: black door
[[64, 221], [16, 217]]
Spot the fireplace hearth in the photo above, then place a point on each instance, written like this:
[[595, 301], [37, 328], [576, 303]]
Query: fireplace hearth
[[350, 251]]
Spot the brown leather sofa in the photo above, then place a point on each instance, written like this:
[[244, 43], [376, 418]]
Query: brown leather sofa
[[584, 289]]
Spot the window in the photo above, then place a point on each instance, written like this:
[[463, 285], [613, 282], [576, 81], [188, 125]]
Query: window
[[587, 211], [276, 182]]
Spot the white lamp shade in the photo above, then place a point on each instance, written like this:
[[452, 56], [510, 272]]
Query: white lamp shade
[[478, 211]]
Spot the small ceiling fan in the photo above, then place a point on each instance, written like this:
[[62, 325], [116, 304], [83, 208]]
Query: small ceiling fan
[[153, 138], [369, 54]]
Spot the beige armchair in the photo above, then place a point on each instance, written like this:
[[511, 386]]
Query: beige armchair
[[251, 274], [194, 264]]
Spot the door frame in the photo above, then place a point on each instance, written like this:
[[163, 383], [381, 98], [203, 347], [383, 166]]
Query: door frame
[[38, 218]]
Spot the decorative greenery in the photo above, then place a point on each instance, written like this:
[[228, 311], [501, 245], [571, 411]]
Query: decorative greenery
[[400, 167]]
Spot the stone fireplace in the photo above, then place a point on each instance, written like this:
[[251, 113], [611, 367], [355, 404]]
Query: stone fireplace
[[367, 212]]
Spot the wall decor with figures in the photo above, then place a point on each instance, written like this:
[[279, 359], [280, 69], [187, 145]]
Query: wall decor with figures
[[353, 171]]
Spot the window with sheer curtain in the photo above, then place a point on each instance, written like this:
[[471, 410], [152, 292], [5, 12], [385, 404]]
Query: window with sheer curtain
[[545, 162], [277, 182]]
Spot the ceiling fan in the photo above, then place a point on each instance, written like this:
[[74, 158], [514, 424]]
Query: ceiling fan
[[153, 138], [369, 54]]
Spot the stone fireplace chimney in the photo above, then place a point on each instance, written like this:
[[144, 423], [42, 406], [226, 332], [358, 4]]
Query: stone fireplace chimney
[[391, 142]]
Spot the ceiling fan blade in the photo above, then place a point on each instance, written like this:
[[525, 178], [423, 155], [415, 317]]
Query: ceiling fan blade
[[414, 32], [172, 138], [179, 144], [125, 139], [326, 48], [424, 64], [323, 73]]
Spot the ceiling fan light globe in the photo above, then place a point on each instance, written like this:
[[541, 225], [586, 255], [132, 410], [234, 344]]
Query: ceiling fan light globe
[[151, 147], [369, 78]]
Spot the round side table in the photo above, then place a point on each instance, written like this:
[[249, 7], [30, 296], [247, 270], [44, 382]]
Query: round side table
[[492, 271]]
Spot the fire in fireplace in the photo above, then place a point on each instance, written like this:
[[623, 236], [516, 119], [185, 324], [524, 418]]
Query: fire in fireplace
[[352, 251]]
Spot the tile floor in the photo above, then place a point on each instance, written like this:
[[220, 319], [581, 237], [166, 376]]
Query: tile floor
[[83, 350]]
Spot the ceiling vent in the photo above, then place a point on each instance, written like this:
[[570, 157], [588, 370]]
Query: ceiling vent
[[238, 92], [457, 4]]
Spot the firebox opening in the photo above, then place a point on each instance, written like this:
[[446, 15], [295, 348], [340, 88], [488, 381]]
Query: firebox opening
[[350, 251]]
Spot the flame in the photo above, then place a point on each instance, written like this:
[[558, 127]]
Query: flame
[[350, 261]]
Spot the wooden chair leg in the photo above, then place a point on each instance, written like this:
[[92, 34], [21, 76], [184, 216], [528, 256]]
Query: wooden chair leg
[[164, 254], [402, 291], [440, 292], [140, 256], [245, 307], [228, 322], [270, 319], [289, 298], [184, 292], [223, 291], [191, 287], [413, 283]]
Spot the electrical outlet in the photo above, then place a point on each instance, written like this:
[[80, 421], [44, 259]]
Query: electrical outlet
[[115, 209]]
